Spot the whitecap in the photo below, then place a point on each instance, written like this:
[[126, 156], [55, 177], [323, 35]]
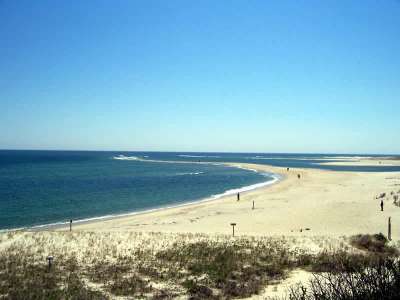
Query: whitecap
[[249, 187], [123, 157], [189, 173]]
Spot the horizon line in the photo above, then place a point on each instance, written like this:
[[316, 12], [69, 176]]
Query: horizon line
[[222, 152]]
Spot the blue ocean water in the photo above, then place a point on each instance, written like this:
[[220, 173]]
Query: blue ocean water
[[297, 160], [45, 187]]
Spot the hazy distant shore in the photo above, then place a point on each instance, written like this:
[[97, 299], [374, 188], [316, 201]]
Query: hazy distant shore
[[365, 161]]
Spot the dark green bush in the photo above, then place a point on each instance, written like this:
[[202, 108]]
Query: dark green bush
[[377, 281], [373, 243]]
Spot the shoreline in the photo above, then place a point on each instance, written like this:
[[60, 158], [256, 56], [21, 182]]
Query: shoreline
[[276, 172], [185, 203], [321, 203]]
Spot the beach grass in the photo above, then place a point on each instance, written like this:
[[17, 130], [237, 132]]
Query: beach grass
[[90, 265]]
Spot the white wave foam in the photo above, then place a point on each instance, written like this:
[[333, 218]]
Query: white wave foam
[[190, 173], [248, 169], [12, 229], [123, 157], [249, 187]]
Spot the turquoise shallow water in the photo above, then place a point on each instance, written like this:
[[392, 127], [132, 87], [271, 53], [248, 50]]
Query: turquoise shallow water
[[44, 187]]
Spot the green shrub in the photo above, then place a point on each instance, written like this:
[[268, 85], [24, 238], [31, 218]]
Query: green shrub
[[377, 281], [373, 243]]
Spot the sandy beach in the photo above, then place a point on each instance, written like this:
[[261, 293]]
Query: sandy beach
[[363, 161], [319, 203], [314, 215]]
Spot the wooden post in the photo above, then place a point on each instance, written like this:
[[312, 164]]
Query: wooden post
[[50, 259], [233, 228], [253, 204], [70, 225], [389, 229]]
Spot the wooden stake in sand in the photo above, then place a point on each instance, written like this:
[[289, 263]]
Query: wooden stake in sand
[[50, 259], [233, 228], [70, 225], [253, 204], [389, 229]]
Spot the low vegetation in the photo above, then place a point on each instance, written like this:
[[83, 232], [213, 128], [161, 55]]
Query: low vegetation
[[379, 279], [376, 243], [164, 266]]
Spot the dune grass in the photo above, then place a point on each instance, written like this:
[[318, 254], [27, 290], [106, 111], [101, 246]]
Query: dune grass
[[163, 266]]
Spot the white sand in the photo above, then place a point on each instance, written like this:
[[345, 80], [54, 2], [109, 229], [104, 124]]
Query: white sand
[[328, 203], [367, 162]]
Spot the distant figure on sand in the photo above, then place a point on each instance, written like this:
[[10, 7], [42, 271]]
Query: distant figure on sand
[[287, 169], [238, 196], [298, 176], [381, 205]]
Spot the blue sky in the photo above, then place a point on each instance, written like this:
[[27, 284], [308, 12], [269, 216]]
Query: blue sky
[[246, 76]]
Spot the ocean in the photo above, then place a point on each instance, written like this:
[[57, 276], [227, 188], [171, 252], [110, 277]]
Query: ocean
[[38, 188]]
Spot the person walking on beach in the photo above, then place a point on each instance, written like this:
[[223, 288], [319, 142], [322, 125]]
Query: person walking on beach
[[238, 196], [381, 205]]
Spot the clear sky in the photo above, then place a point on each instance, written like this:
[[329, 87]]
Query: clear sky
[[245, 76]]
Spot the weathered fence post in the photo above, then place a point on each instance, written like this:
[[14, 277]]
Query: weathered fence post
[[233, 228], [389, 229], [50, 259]]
